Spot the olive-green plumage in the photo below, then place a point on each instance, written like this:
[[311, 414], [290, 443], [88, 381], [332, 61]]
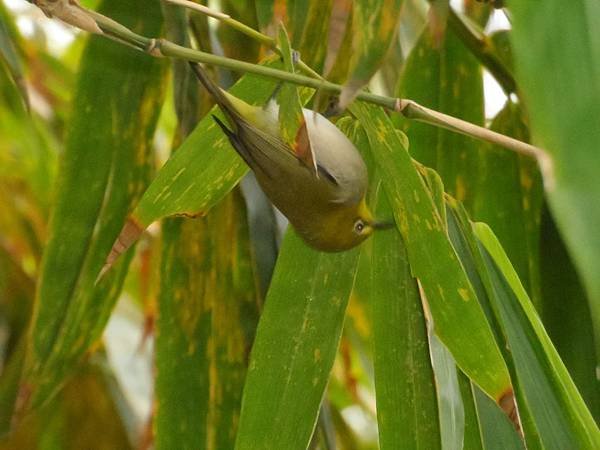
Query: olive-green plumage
[[325, 206]]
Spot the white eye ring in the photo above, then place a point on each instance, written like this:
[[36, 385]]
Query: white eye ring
[[359, 226]]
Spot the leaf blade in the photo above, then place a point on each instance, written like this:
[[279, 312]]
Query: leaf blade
[[573, 57], [432, 258], [296, 341], [115, 114], [562, 418]]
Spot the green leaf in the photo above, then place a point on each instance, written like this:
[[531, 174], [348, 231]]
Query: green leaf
[[88, 413], [465, 243], [472, 434], [560, 73], [446, 78], [339, 48], [458, 319], [8, 53], [103, 169], [559, 412], [16, 300], [235, 44], [9, 387], [312, 39], [497, 432], [206, 320], [296, 342], [566, 314], [265, 12], [204, 169], [509, 197], [403, 375], [307, 22], [374, 25], [290, 107], [450, 403]]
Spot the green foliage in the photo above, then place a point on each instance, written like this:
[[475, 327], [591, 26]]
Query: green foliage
[[104, 168], [571, 139], [467, 325]]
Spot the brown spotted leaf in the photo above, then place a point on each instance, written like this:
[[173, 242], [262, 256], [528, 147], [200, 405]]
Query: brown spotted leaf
[[104, 168], [374, 26]]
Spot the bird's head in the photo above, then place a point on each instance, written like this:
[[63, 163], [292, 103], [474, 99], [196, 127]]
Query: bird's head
[[344, 228]]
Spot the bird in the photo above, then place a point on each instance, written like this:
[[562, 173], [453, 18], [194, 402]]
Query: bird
[[319, 183]]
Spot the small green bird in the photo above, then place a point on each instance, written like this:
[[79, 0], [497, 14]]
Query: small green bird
[[319, 184]]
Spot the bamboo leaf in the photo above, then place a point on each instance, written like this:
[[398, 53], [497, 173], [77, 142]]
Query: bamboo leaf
[[566, 314], [403, 375], [374, 26], [459, 321], [86, 414], [207, 309], [9, 55], [559, 412], [296, 342], [339, 46], [472, 434], [573, 58], [290, 108], [265, 12], [446, 78], [235, 44], [463, 240], [449, 399], [509, 197], [206, 318], [104, 168], [203, 169], [307, 22], [311, 39], [497, 432]]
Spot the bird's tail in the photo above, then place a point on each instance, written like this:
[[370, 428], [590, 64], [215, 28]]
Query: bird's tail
[[219, 95]]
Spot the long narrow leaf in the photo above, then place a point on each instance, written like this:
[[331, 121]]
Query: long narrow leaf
[[459, 321], [564, 108], [403, 375], [207, 314], [296, 342], [104, 168], [450, 402], [203, 169], [561, 416], [374, 25]]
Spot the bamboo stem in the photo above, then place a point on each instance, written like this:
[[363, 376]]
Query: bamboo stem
[[413, 110], [244, 29], [406, 107]]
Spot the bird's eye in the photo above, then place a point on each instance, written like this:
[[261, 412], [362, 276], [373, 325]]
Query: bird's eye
[[359, 226]]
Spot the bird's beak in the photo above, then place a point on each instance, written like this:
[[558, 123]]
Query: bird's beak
[[377, 225]]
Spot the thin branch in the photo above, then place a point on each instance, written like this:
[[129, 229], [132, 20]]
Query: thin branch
[[413, 110], [244, 29], [200, 8], [408, 108], [225, 18]]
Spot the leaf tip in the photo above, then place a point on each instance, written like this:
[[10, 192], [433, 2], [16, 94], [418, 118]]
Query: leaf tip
[[130, 233]]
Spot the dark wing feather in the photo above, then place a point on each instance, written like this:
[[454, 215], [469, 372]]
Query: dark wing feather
[[235, 142]]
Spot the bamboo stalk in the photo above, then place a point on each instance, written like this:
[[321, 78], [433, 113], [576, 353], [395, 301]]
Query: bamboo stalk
[[244, 29], [408, 108]]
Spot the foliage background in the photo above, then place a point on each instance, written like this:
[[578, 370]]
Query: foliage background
[[85, 131]]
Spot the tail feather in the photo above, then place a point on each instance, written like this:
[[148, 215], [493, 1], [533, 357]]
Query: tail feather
[[216, 92]]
